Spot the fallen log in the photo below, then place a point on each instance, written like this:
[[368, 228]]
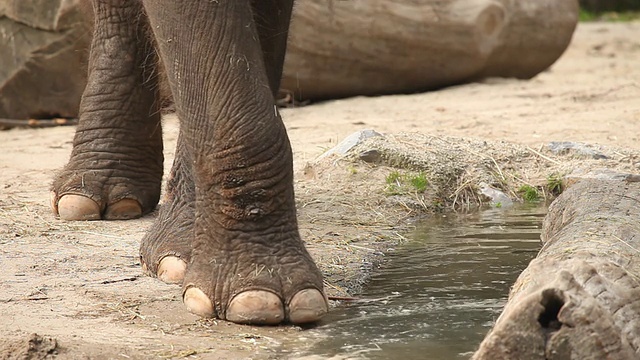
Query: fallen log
[[336, 48], [580, 297], [371, 47], [537, 34]]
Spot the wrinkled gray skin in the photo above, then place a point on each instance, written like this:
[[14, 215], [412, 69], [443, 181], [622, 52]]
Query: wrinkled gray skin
[[229, 220]]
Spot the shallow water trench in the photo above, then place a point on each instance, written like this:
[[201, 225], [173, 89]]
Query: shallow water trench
[[436, 296]]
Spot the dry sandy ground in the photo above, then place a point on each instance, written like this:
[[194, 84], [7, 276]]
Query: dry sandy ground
[[81, 284]]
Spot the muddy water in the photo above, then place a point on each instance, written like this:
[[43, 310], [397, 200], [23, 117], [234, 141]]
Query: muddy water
[[436, 296]]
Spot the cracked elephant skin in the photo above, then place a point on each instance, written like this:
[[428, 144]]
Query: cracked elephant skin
[[227, 228]]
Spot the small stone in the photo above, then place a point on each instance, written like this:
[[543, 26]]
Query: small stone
[[576, 149], [370, 156], [632, 178], [44, 55], [496, 196], [350, 142]]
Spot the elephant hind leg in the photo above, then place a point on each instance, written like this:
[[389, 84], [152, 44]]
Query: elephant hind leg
[[272, 24], [247, 262], [165, 250], [115, 168]]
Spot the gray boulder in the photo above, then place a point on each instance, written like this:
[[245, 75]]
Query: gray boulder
[[43, 55]]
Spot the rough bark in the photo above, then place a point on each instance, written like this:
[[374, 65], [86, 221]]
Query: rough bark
[[537, 34], [367, 47], [336, 48], [580, 298], [43, 49]]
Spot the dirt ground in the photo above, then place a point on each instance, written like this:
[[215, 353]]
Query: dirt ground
[[79, 286]]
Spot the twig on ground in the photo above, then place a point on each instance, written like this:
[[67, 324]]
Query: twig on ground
[[543, 156], [36, 123]]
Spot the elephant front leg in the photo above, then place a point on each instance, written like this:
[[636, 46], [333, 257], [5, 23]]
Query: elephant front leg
[[247, 262], [115, 167]]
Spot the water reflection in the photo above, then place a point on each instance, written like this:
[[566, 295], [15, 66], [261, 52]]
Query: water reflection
[[438, 295]]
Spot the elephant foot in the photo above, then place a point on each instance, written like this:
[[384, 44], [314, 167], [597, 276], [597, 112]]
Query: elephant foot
[[102, 195], [263, 281], [255, 273], [110, 176], [165, 250], [273, 299], [245, 283]]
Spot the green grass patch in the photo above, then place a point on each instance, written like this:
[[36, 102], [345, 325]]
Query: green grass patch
[[610, 16], [529, 193], [586, 15], [399, 184], [419, 182], [393, 177], [555, 185]]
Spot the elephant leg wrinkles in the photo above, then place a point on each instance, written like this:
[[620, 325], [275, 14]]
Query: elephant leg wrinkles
[[228, 225], [164, 251], [115, 169], [247, 262]]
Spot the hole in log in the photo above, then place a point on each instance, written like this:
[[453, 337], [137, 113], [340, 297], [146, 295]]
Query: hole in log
[[552, 302]]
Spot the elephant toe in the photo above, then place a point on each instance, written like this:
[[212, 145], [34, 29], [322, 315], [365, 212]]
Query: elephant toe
[[306, 306], [77, 207], [198, 303], [256, 307], [124, 209], [171, 269]]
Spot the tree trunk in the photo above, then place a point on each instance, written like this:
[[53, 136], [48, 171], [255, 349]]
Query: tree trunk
[[536, 36], [367, 47], [580, 298]]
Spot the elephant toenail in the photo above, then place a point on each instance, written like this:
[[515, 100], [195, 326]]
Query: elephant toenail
[[198, 302], [307, 306], [256, 307], [171, 269], [77, 207], [123, 210]]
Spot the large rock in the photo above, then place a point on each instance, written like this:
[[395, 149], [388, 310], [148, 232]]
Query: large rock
[[43, 52], [368, 47], [580, 297]]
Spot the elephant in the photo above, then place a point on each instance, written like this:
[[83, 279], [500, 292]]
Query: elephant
[[227, 228]]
